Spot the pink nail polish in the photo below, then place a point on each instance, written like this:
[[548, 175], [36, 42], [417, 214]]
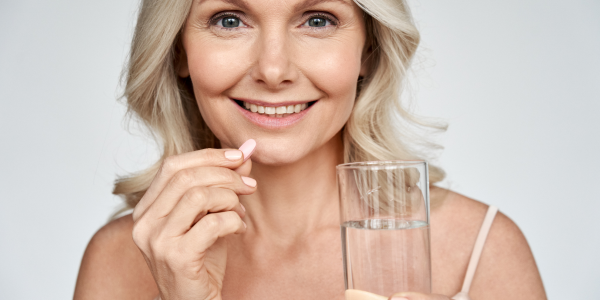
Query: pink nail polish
[[249, 181], [243, 208], [233, 154], [248, 148]]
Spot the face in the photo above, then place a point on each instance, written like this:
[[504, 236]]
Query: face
[[283, 72]]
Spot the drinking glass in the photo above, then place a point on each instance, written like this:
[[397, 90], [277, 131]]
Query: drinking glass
[[384, 213]]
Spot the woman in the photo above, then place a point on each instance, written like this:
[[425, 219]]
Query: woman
[[299, 86]]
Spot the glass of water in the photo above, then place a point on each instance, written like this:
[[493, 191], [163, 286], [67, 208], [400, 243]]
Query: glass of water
[[384, 213]]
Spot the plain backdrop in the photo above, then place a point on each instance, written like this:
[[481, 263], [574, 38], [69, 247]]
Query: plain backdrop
[[517, 81]]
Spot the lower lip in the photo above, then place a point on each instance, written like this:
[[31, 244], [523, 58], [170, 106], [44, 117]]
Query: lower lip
[[265, 121]]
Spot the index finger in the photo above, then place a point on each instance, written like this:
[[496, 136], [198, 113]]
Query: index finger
[[228, 158]]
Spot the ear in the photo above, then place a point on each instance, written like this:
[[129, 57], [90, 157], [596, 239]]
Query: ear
[[181, 61]]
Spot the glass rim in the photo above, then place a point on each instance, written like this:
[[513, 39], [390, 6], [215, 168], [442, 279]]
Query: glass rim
[[379, 163]]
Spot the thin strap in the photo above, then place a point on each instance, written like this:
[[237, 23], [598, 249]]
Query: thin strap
[[481, 237]]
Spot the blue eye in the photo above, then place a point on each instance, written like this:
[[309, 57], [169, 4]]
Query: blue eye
[[317, 22], [227, 21], [230, 22], [320, 20]]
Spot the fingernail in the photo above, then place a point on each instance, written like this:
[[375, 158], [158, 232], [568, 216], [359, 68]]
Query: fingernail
[[399, 298], [248, 148], [243, 208], [249, 181], [245, 226], [233, 154]]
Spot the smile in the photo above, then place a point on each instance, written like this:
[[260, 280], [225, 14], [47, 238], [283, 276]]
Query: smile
[[274, 111], [273, 116]]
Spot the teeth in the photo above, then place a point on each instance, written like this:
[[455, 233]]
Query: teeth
[[277, 112], [281, 110], [269, 110]]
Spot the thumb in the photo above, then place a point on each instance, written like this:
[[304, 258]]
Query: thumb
[[245, 168]]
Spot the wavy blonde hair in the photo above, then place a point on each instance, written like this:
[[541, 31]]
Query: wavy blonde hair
[[379, 128]]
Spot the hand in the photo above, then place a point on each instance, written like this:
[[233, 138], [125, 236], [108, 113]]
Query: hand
[[192, 203], [417, 296]]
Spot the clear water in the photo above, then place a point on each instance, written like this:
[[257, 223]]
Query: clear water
[[384, 224], [386, 256]]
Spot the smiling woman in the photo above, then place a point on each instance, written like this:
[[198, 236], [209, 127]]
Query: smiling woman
[[300, 86], [169, 104]]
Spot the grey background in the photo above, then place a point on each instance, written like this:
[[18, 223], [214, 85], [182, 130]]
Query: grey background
[[518, 82]]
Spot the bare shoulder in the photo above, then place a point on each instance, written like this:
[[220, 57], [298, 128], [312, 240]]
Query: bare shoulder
[[113, 267], [507, 268]]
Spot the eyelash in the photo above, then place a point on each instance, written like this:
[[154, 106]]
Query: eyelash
[[214, 20]]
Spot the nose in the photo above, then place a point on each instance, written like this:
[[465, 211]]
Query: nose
[[273, 67]]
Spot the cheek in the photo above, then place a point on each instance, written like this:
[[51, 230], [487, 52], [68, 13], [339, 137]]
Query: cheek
[[215, 67], [334, 69]]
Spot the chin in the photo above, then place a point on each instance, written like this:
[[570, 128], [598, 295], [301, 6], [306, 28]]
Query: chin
[[275, 153]]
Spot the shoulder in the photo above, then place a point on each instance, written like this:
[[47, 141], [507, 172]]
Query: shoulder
[[507, 268], [455, 220], [113, 267], [462, 214]]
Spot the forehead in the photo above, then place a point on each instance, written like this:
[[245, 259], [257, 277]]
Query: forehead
[[295, 4]]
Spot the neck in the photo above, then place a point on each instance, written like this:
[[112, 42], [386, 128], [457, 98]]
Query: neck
[[297, 199]]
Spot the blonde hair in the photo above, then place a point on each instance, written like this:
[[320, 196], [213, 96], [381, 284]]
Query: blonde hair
[[379, 128]]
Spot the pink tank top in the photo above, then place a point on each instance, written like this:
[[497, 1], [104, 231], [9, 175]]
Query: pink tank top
[[477, 249]]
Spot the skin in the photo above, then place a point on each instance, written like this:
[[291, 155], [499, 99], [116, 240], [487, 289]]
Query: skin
[[202, 232]]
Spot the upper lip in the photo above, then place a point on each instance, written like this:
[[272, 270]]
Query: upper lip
[[263, 103]]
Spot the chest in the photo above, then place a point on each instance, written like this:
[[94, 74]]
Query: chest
[[311, 269], [314, 269]]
